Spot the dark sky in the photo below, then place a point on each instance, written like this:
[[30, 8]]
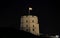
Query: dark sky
[[11, 11]]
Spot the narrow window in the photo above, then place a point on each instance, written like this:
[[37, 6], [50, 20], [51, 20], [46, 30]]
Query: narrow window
[[26, 25], [26, 29], [33, 25], [26, 20], [32, 20], [33, 29]]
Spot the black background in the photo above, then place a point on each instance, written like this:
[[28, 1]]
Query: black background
[[11, 11]]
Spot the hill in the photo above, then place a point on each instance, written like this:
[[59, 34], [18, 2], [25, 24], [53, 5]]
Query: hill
[[10, 32]]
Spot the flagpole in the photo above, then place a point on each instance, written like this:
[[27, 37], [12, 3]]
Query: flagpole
[[29, 13]]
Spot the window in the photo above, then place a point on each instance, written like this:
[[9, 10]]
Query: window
[[33, 29], [32, 20], [26, 29], [26, 20], [33, 25], [26, 25]]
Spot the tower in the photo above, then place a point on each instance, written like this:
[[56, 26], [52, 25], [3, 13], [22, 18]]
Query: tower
[[29, 23]]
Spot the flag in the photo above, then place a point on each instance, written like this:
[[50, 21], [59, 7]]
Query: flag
[[30, 8]]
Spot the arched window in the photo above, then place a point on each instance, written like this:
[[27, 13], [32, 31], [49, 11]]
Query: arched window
[[33, 29], [32, 20], [26, 25], [26, 29], [33, 25], [26, 20]]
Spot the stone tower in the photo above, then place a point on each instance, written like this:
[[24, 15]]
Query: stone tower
[[29, 23]]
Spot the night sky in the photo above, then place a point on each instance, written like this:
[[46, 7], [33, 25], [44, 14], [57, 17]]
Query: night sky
[[11, 11]]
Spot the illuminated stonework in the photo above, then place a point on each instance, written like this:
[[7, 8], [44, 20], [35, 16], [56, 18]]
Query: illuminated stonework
[[30, 24]]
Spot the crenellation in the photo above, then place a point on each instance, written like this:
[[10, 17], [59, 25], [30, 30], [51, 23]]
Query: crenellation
[[27, 23]]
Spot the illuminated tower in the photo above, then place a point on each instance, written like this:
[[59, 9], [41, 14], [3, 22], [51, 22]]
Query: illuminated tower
[[29, 23]]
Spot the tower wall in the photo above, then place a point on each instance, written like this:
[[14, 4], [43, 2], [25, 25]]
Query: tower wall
[[30, 24]]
